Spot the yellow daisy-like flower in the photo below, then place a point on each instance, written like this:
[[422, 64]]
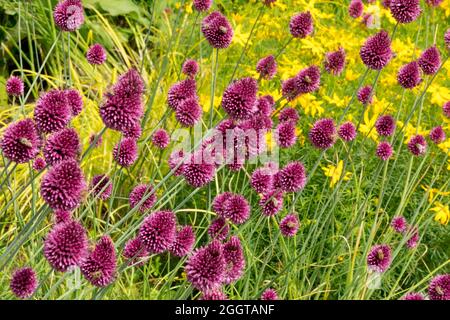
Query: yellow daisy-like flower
[[433, 192], [335, 173], [367, 127], [439, 95], [337, 101], [311, 105], [240, 37], [442, 213]]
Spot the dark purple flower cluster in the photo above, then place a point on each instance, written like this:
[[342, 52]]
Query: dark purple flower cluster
[[158, 231], [234, 260], [52, 111], [144, 196], [285, 134], [96, 54], [301, 25], [409, 75], [135, 251], [439, 288], [405, 11], [417, 145], [323, 134], [269, 294], [101, 186], [399, 224], [14, 86], [75, 101], [365, 95], [437, 135], [198, 172], [379, 258], [239, 99], [218, 229], [20, 142], [385, 125], [289, 225], [202, 5], [190, 68], [376, 51], [413, 296], [233, 207], [347, 131], [430, 60], [356, 8], [335, 62], [446, 109], [217, 30], [23, 283], [62, 145], [384, 150], [267, 67], [125, 153], [184, 242], [68, 15]]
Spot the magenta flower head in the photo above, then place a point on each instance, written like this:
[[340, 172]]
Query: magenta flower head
[[269, 294], [384, 150], [219, 201], [23, 283], [190, 68], [236, 209], [211, 295], [262, 180], [39, 164], [135, 252], [68, 15], [308, 80], [399, 224], [289, 114], [347, 131], [176, 162], [413, 296], [161, 139], [184, 242], [218, 229], [323, 133], [20, 142], [413, 239], [234, 260], [63, 185], [66, 245], [292, 178], [140, 192], [62, 145], [271, 203], [239, 98], [430, 60], [439, 288], [446, 109], [206, 267], [379, 258], [405, 11], [198, 172], [365, 95], [62, 216], [417, 145], [265, 105], [158, 231], [376, 51], [285, 134], [437, 135], [267, 67], [96, 54], [290, 89], [14, 86], [189, 112], [52, 111], [356, 8], [335, 62], [75, 101], [101, 186], [385, 125], [409, 75], [134, 132], [99, 267], [289, 225], [447, 39], [202, 5], [125, 153], [301, 25], [217, 30], [181, 91]]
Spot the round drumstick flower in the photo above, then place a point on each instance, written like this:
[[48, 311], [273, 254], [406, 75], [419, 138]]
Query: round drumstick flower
[[234, 260], [271, 203], [217, 30], [269, 294], [446, 109], [385, 125], [347, 131], [399, 224], [409, 75], [292, 178], [216, 294], [184, 242], [335, 62], [413, 238], [301, 25], [219, 201], [125, 153], [290, 89], [413, 296], [262, 180], [52, 111], [308, 80], [384, 150], [202, 5], [356, 8], [62, 216], [365, 95], [161, 139], [417, 145], [75, 101], [447, 39], [23, 283], [190, 68], [96, 54], [101, 186], [181, 91], [323, 133], [239, 98], [285, 134], [198, 172], [140, 192], [158, 231], [289, 225], [267, 67], [176, 162], [376, 51], [379, 258], [134, 251], [20, 142], [68, 15], [14, 86], [39, 164], [405, 11], [236, 209], [439, 288], [289, 114], [430, 60], [437, 135], [189, 112], [218, 229], [62, 145]]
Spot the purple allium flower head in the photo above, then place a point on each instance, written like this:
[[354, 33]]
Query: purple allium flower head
[[158, 231], [446, 109], [218, 229], [134, 251], [20, 142], [447, 39], [417, 145], [379, 258], [160, 139], [289, 225], [439, 288], [23, 282], [269, 294], [385, 125], [239, 99], [202, 5], [190, 68], [335, 62], [289, 114], [39, 164], [347, 131], [217, 30], [433, 3], [291, 178], [376, 51], [430, 60], [413, 239], [62, 216], [216, 294], [219, 201], [365, 95], [437, 135], [96, 54], [264, 106], [271, 203], [122, 107], [356, 8], [290, 89], [234, 260], [285, 134], [405, 11], [52, 111], [189, 112], [99, 268], [140, 192], [125, 153], [323, 133], [308, 80], [236, 209], [62, 145], [262, 180], [206, 267], [176, 162], [14, 86], [384, 150], [301, 25], [198, 173], [101, 186], [75, 101], [409, 75], [399, 224], [134, 131], [267, 67], [68, 15], [66, 245], [62, 187], [413, 296], [184, 242], [181, 91]]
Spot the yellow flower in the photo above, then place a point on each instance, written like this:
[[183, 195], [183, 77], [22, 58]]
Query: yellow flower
[[335, 173], [442, 213], [350, 75], [269, 141], [411, 130], [439, 95], [337, 101], [241, 37], [380, 106], [445, 146], [205, 101], [310, 105], [433, 192], [446, 5], [367, 127]]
